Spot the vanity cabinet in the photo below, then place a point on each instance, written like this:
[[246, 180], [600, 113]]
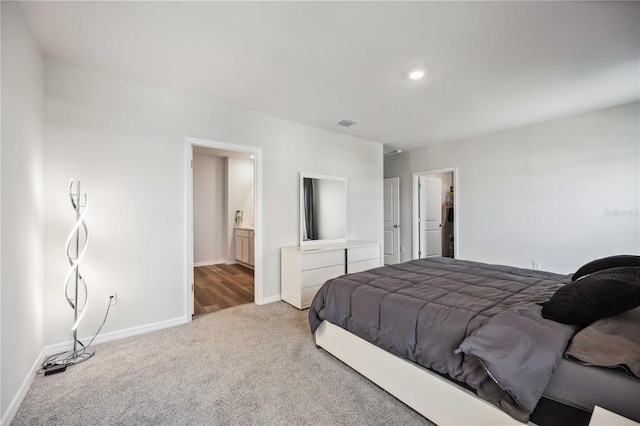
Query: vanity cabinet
[[244, 246], [304, 269], [251, 249]]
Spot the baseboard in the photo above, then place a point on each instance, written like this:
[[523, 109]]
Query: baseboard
[[270, 299], [208, 263], [116, 335], [22, 392]]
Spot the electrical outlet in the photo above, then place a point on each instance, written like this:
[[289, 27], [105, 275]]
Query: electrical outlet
[[112, 299], [401, 249], [536, 265]]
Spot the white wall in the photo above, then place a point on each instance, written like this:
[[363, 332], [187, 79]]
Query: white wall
[[126, 141], [241, 188], [209, 212], [22, 224], [240, 196], [544, 192]]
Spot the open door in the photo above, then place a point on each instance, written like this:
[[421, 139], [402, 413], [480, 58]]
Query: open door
[[256, 242], [430, 217], [433, 227], [391, 221]]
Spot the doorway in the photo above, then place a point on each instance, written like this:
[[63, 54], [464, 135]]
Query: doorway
[[223, 229], [435, 230], [226, 266]]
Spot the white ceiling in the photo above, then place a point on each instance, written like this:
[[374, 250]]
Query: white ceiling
[[489, 65]]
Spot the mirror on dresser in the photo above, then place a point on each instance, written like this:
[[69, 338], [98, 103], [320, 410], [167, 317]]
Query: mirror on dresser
[[323, 209], [324, 252]]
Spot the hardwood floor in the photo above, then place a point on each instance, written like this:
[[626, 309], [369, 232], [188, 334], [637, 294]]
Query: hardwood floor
[[221, 286]]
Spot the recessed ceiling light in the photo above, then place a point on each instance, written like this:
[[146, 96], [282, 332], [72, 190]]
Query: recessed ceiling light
[[416, 75]]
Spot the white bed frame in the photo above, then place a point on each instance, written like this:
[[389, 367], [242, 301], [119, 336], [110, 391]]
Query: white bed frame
[[436, 398]]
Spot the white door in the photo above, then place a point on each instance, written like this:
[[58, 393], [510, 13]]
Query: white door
[[391, 221], [430, 217]]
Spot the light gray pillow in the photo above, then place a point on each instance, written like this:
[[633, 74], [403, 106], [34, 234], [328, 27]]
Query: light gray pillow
[[610, 342]]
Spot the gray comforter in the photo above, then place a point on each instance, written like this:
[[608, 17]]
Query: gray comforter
[[479, 324]]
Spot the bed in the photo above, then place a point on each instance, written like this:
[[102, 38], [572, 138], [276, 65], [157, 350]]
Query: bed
[[463, 342]]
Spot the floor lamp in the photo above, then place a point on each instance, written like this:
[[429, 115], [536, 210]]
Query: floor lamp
[[75, 286]]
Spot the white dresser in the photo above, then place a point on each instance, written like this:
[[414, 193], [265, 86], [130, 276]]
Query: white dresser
[[305, 268]]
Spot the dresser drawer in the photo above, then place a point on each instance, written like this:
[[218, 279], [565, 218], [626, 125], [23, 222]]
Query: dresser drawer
[[305, 269], [364, 265], [307, 295], [317, 276], [321, 259], [358, 254]]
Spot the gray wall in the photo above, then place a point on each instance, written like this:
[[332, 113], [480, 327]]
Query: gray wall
[[127, 142], [209, 209], [561, 192], [22, 309]]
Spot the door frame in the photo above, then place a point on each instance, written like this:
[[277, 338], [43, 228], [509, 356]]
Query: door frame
[[415, 226], [257, 180]]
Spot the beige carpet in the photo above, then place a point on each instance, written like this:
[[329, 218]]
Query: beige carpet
[[249, 365]]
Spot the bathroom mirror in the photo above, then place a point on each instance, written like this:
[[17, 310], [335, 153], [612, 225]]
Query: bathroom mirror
[[323, 209]]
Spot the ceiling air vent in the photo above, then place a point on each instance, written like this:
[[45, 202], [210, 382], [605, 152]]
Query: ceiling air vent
[[346, 122]]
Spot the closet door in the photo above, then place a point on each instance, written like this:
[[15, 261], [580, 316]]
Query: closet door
[[430, 217]]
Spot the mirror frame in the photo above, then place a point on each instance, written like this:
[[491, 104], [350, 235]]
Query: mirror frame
[[301, 210]]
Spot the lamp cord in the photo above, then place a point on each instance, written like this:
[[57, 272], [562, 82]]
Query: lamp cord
[[53, 359]]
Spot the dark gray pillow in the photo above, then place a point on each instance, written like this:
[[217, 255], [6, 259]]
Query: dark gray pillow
[[606, 263], [597, 295]]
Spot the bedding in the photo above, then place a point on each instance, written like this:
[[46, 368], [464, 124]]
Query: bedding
[[584, 387], [509, 348], [612, 342], [424, 310]]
